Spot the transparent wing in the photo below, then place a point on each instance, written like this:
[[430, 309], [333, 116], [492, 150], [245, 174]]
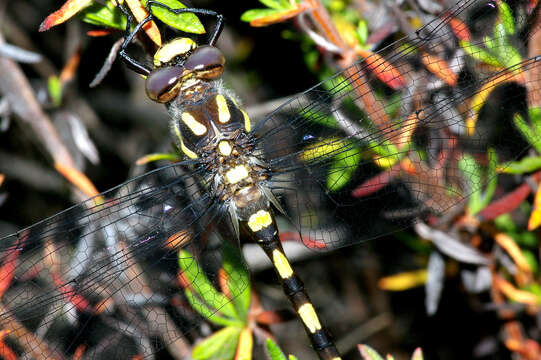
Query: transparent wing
[[103, 276], [413, 130]]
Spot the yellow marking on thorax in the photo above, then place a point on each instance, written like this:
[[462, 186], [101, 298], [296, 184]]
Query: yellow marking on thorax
[[281, 264], [223, 111], [238, 173], [183, 147], [309, 317], [259, 220], [173, 48], [247, 123], [224, 147], [196, 127]]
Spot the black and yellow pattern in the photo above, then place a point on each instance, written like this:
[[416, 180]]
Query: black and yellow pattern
[[262, 228]]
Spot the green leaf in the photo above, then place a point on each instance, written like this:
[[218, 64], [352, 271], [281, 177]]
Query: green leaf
[[342, 168], [492, 177], [277, 4], [157, 157], [238, 280], [505, 223], [525, 165], [254, 14], [479, 54], [490, 43], [367, 353], [210, 314], [535, 119], [531, 259], [219, 346], [472, 172], [274, 351], [527, 238], [510, 56], [499, 36], [202, 286], [362, 31], [187, 22], [506, 17], [104, 15], [528, 132], [54, 87]]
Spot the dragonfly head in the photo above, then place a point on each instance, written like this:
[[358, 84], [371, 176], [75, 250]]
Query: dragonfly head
[[181, 66]]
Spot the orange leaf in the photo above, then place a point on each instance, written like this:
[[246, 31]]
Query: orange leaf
[[506, 242], [245, 345], [79, 352], [280, 16], [70, 68], [7, 271], [177, 240], [70, 8], [440, 68], [460, 29], [100, 32], [513, 293], [223, 280], [140, 13], [6, 353], [382, 69], [406, 130], [2, 178], [78, 179]]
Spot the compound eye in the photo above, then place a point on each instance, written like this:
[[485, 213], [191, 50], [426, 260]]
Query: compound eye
[[207, 61], [163, 84]]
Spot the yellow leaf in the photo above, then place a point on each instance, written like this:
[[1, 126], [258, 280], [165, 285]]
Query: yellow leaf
[[245, 345], [535, 217], [513, 293], [506, 242], [403, 281]]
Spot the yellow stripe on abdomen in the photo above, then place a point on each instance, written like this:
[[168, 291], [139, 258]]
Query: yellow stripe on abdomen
[[281, 264], [309, 317]]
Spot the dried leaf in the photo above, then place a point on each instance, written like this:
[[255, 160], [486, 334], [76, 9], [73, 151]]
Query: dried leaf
[[434, 282], [450, 246]]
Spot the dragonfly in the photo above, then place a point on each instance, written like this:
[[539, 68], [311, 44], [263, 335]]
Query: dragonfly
[[341, 162]]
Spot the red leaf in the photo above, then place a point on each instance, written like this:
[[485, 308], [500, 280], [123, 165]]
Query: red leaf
[[505, 204], [6, 353], [306, 240], [7, 271], [382, 69], [377, 182], [70, 295], [70, 8]]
